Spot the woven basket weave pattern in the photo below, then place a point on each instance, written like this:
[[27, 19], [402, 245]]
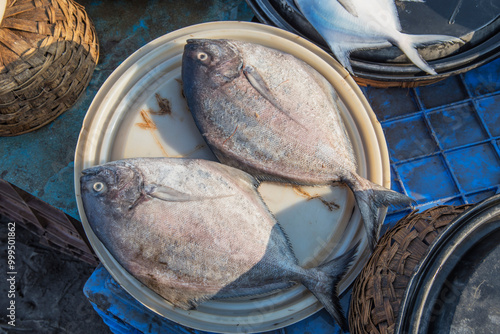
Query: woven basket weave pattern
[[48, 52], [380, 287]]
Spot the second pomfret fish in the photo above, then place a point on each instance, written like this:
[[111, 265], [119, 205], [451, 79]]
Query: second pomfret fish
[[348, 25], [274, 116]]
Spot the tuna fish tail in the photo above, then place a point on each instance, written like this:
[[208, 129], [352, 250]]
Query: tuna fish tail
[[369, 198], [408, 44], [322, 281]]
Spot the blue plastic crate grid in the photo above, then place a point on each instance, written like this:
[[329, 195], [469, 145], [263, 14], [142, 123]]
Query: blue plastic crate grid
[[443, 139]]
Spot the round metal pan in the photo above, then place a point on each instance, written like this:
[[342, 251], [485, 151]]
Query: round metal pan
[[456, 288], [477, 22], [125, 120]]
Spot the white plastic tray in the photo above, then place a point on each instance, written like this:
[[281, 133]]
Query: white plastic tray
[[123, 122]]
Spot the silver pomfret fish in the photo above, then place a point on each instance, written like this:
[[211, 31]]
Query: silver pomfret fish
[[348, 25], [274, 116], [192, 230]]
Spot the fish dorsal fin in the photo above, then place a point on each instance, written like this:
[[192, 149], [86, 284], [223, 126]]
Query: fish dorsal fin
[[349, 6], [257, 82], [169, 194]]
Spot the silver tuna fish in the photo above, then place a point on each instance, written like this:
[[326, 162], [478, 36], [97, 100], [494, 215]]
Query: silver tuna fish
[[348, 25], [274, 116], [192, 230]]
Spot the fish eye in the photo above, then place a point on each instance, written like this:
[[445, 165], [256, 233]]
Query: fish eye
[[202, 56], [99, 187]]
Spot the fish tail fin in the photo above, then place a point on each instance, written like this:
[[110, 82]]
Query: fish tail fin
[[369, 198], [408, 44], [323, 283]]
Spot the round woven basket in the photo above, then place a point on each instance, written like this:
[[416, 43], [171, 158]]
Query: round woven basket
[[379, 288], [48, 51]]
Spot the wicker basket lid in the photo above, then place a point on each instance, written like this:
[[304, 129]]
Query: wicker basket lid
[[378, 291], [48, 51]]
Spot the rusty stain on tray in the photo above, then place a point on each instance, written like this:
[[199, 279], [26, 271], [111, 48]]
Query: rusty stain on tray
[[148, 122], [301, 192], [150, 125]]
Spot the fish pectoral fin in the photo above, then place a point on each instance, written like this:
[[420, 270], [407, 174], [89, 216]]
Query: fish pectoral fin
[[349, 6], [257, 82], [169, 194]]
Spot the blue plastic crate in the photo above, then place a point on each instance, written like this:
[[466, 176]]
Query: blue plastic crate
[[444, 146], [443, 138]]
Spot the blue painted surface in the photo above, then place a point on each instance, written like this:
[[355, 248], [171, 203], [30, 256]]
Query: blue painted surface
[[444, 141], [41, 162]]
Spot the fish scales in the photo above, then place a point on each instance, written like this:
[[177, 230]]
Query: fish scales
[[240, 119], [199, 234], [193, 230], [272, 115]]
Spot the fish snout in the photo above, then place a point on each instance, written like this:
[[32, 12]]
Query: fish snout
[[190, 52], [90, 171], [101, 173], [195, 46], [191, 45], [200, 42], [215, 49], [195, 41], [88, 178]]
